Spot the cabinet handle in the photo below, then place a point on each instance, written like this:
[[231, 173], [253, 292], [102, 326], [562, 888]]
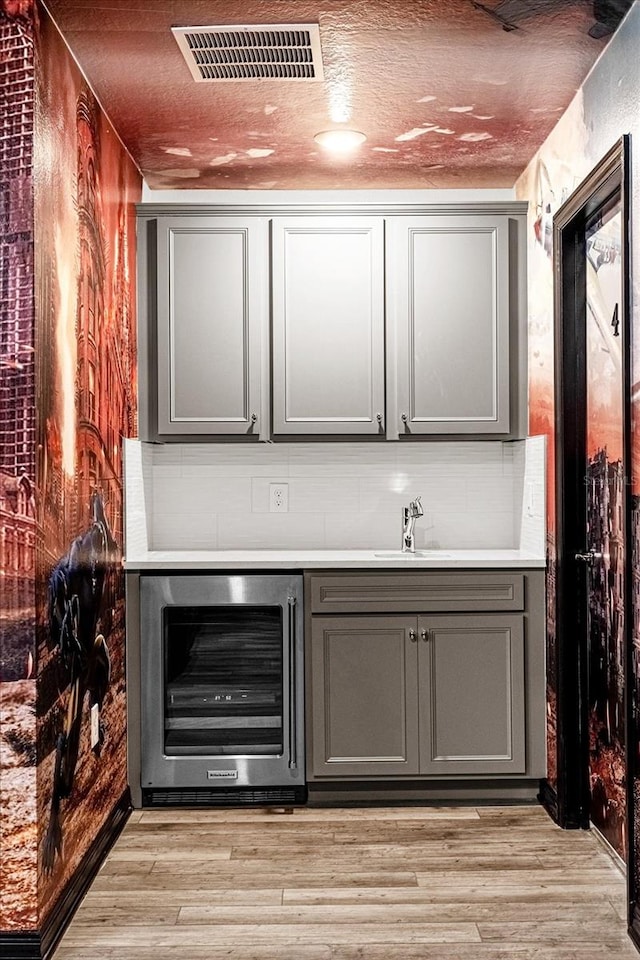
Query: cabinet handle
[[379, 417], [404, 417], [254, 417], [425, 634], [413, 636]]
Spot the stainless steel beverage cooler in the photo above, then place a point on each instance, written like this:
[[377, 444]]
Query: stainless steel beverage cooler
[[222, 689]]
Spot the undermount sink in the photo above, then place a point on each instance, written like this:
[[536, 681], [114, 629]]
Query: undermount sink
[[417, 555]]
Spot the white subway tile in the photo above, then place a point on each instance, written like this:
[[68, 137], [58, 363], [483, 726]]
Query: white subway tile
[[162, 471], [470, 530], [494, 495], [364, 531], [179, 531], [264, 531], [397, 490], [448, 458], [164, 453], [202, 495], [335, 495], [340, 459]]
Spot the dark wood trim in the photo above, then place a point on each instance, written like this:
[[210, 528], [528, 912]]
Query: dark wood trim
[[630, 681], [40, 944], [634, 925], [569, 305], [548, 798], [611, 175], [603, 182], [69, 901], [20, 946]]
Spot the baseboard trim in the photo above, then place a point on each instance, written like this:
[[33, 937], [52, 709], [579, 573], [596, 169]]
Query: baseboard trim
[[421, 792], [67, 904], [20, 946], [40, 944], [549, 800], [634, 927]]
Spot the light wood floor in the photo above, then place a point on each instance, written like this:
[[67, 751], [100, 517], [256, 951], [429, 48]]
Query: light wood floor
[[486, 883]]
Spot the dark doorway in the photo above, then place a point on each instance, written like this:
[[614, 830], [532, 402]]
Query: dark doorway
[[593, 466]]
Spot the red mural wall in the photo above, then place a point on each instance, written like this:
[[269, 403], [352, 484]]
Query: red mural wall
[[562, 163], [18, 892], [69, 631]]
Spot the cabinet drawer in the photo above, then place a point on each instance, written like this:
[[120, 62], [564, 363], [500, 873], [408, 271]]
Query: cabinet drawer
[[416, 592]]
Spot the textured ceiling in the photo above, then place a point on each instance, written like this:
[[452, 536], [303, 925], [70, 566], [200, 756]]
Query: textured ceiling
[[449, 94]]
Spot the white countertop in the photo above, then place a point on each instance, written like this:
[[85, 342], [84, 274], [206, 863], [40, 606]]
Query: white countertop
[[342, 559]]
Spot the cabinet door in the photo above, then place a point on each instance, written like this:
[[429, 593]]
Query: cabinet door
[[472, 704], [328, 325], [364, 696], [212, 311], [448, 288]]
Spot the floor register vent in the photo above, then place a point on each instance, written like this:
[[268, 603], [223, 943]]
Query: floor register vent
[[279, 52]]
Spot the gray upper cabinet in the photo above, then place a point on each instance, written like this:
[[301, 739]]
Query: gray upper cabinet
[[328, 325], [393, 321], [212, 323], [449, 320]]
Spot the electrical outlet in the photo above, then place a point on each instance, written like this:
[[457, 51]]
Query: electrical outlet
[[95, 726], [530, 500], [278, 498]]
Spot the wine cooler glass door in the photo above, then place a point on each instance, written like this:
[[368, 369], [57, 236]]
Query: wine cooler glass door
[[224, 681]]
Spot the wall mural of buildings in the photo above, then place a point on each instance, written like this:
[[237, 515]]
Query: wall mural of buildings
[[68, 353], [18, 832], [86, 186], [599, 115]]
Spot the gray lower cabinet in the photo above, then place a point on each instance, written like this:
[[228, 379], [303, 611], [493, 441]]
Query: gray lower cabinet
[[426, 675], [365, 695], [418, 696], [472, 702]]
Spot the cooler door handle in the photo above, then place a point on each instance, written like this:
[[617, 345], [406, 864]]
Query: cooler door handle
[[293, 696]]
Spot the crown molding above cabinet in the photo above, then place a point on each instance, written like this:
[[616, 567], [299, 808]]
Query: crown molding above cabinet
[[330, 321]]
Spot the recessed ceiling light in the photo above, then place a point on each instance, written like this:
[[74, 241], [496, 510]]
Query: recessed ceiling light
[[340, 141]]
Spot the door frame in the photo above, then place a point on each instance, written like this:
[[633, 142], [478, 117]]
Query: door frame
[[572, 799]]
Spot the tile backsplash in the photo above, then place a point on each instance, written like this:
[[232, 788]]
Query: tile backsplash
[[340, 495]]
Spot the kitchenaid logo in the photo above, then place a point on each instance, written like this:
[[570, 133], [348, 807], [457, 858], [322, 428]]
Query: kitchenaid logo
[[222, 774]]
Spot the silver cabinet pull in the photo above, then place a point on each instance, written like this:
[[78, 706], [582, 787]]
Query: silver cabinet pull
[[413, 636], [591, 556], [379, 417], [254, 418], [293, 748], [426, 635], [404, 417]]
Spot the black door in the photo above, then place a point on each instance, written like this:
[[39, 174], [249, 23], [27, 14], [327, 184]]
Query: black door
[[593, 599]]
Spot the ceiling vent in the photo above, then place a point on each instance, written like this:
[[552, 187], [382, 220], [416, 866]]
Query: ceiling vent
[[280, 52]]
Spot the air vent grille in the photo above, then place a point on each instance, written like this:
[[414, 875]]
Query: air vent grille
[[281, 52], [223, 797]]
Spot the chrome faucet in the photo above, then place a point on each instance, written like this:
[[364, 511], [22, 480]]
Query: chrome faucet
[[409, 516]]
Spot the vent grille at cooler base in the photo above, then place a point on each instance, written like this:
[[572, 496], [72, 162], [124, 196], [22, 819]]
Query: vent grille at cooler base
[[224, 797], [282, 52]]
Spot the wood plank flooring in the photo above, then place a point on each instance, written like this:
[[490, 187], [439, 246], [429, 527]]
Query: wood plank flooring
[[403, 883]]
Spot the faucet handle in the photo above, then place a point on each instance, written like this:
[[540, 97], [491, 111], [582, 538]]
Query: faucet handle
[[416, 507]]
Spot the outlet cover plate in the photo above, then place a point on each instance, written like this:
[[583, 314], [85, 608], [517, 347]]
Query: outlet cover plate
[[278, 498]]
